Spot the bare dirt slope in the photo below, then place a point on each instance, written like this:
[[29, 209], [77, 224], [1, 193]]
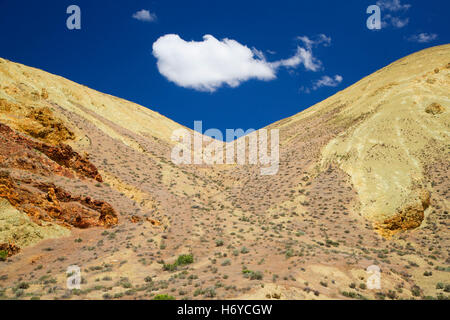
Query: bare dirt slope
[[86, 179]]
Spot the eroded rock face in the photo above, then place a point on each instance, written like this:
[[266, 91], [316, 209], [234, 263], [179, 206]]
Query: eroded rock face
[[46, 202], [45, 126], [408, 217], [18, 151], [65, 156], [17, 227], [38, 122]]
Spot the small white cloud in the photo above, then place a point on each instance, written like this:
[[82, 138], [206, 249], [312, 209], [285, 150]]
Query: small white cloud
[[327, 81], [144, 15], [423, 37], [209, 64]]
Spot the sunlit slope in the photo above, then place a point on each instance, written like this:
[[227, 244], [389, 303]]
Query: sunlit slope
[[29, 86], [394, 123]]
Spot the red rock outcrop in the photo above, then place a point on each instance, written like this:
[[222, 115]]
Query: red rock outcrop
[[47, 202], [20, 152], [65, 156]]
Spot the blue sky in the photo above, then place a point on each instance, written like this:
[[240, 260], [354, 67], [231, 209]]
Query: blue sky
[[113, 52]]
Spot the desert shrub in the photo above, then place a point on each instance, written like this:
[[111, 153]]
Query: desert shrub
[[210, 293], [392, 294], [185, 259], [289, 253], [219, 243], [349, 294], [244, 250], [182, 260], [226, 262], [252, 275], [163, 297], [3, 255], [415, 290], [169, 267]]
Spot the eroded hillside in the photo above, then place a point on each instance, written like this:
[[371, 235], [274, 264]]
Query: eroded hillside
[[87, 179]]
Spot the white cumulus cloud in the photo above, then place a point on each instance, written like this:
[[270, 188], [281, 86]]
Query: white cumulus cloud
[[423, 37], [209, 64], [144, 15]]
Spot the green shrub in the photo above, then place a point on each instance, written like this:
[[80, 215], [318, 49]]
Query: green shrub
[[244, 250], [256, 275], [169, 267], [349, 294], [182, 260], [23, 285], [415, 290], [185, 259], [226, 262], [163, 297], [440, 285], [253, 275], [289, 253], [3, 255], [210, 293], [219, 243]]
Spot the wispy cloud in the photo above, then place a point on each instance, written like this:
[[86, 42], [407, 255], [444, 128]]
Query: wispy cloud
[[309, 43], [422, 37], [393, 5], [392, 18], [210, 64], [325, 81], [396, 22], [144, 15]]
